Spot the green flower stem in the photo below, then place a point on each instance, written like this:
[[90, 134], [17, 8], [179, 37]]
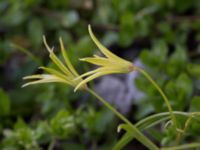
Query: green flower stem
[[162, 94], [187, 122], [157, 118], [185, 146], [163, 115], [27, 52], [52, 144], [137, 134], [153, 120]]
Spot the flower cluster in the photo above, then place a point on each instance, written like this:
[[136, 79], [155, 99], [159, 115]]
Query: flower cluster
[[64, 74], [109, 64]]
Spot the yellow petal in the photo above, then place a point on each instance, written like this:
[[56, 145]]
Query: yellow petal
[[96, 75], [55, 59], [50, 79], [66, 58], [35, 76], [97, 61], [86, 74], [101, 69], [103, 49], [46, 45], [56, 73]]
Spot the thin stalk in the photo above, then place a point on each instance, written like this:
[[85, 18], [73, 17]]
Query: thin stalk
[[155, 119], [52, 144], [138, 134], [187, 122], [161, 115], [27, 52], [185, 146], [162, 94]]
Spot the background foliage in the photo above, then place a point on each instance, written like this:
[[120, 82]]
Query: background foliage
[[166, 33]]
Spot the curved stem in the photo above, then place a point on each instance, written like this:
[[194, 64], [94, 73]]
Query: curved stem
[[162, 94], [185, 146], [163, 115], [187, 122], [52, 144], [155, 119], [137, 133], [148, 122]]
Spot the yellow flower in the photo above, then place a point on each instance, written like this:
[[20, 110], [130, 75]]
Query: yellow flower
[[66, 73], [109, 64]]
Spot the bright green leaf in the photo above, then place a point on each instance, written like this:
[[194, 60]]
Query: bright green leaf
[[4, 103]]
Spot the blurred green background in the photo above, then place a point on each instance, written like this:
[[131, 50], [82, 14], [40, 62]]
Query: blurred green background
[[163, 34]]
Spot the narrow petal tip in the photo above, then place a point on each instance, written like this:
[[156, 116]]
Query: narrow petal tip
[[25, 85], [89, 27], [76, 88], [24, 78], [82, 86], [60, 39], [82, 59], [41, 67], [46, 45]]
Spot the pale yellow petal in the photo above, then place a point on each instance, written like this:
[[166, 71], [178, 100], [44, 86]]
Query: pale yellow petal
[[66, 58], [103, 49], [55, 59], [40, 81], [97, 61], [101, 69], [46, 45], [35, 76], [86, 74], [96, 75], [47, 80], [105, 71], [56, 73]]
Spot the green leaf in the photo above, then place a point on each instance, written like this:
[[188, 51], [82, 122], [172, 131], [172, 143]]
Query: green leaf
[[63, 124], [15, 15], [127, 28], [103, 119], [5, 105], [35, 32], [20, 124], [177, 61], [184, 84], [179, 91], [160, 50], [195, 104], [166, 29], [126, 138], [193, 69], [22, 136], [157, 57], [42, 132]]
